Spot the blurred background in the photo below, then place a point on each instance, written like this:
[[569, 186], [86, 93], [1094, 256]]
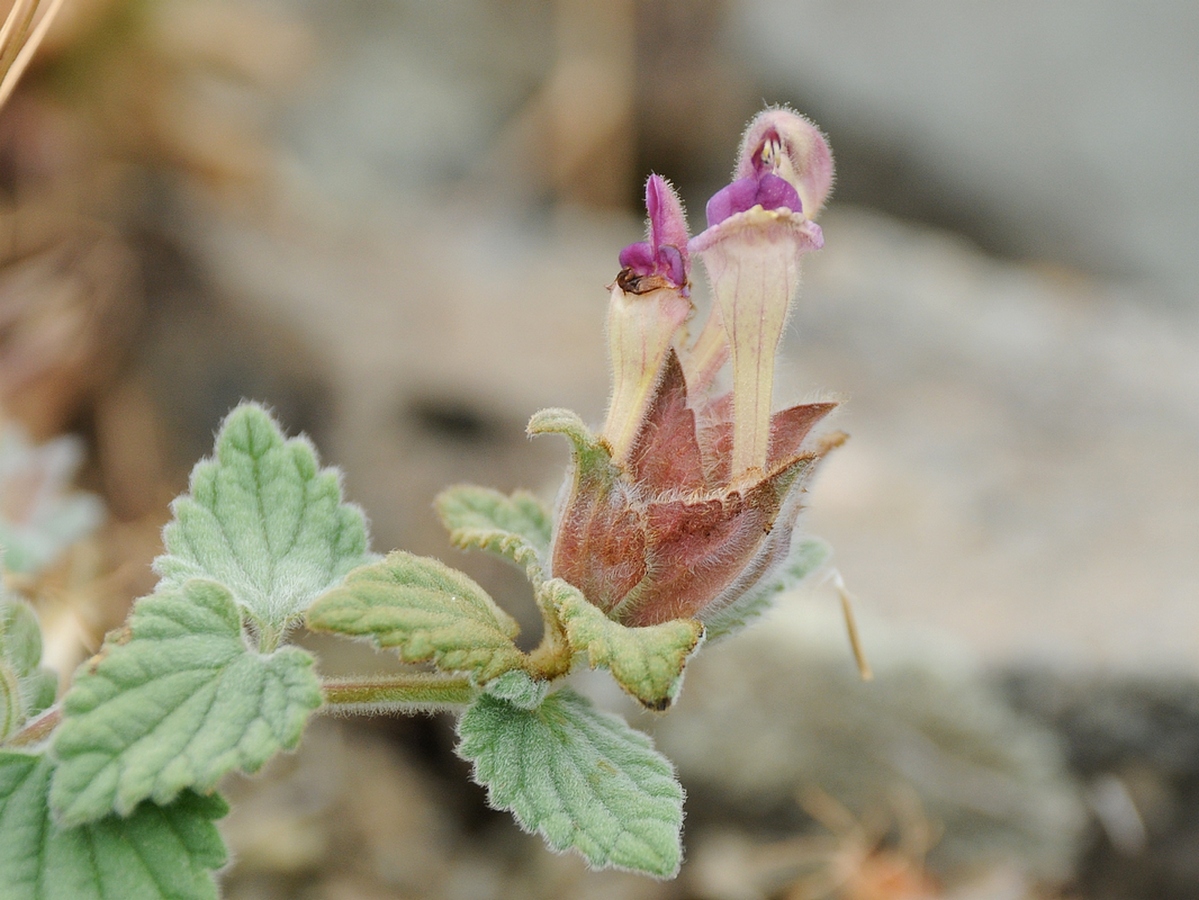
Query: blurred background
[[393, 221]]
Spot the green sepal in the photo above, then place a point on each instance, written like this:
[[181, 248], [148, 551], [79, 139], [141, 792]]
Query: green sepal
[[262, 518], [424, 610], [516, 527], [592, 457], [647, 662], [156, 853], [25, 688], [808, 555], [175, 701], [581, 777]]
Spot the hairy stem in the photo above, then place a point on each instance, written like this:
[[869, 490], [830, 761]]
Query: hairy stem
[[406, 693], [553, 657], [37, 729]]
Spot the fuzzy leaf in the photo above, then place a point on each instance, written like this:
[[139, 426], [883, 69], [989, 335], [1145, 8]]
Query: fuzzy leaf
[[25, 688], [808, 555], [519, 689], [20, 635], [175, 702], [264, 520], [518, 528], [157, 853], [581, 777], [11, 706], [647, 662], [424, 610]]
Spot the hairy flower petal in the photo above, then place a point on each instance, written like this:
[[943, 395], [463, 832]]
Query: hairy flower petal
[[640, 330], [764, 189], [788, 144], [663, 255]]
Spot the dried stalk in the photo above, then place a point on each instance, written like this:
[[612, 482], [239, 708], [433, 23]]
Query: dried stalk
[[20, 38]]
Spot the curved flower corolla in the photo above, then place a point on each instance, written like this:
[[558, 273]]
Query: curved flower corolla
[[651, 299], [759, 227], [685, 502]]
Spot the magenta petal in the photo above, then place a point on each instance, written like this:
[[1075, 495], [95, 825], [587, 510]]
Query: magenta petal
[[639, 257], [766, 190], [731, 199], [671, 264], [778, 193], [655, 207], [667, 222], [665, 253], [810, 161]]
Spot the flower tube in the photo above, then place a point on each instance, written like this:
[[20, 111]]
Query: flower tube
[[759, 227], [650, 302]]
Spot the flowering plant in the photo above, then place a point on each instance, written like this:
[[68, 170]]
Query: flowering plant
[[687, 501], [676, 525]]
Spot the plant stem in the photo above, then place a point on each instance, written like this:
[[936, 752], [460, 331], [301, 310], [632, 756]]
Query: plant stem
[[552, 658], [407, 693], [37, 729], [268, 638]]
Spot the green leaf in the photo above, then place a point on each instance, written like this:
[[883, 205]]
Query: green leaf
[[264, 520], [517, 528], [424, 610], [808, 555], [25, 688], [582, 778], [20, 635], [517, 688], [11, 705], [157, 853], [38, 691], [647, 662], [175, 702]]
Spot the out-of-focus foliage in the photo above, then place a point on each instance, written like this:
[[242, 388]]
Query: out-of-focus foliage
[[39, 516], [25, 687]]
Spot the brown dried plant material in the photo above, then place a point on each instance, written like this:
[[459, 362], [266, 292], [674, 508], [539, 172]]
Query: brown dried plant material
[[69, 304], [861, 864], [879, 856], [20, 36]]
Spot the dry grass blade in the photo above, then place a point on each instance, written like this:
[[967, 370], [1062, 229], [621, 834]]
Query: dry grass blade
[[851, 625], [18, 43]]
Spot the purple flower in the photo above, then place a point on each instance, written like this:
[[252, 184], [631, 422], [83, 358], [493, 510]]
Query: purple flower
[[685, 501], [651, 300], [759, 227]]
